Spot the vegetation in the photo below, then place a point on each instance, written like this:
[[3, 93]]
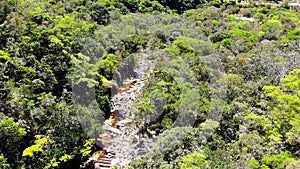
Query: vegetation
[[225, 92]]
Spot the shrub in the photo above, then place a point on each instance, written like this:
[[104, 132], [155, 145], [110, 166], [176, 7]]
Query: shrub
[[214, 22], [259, 16], [277, 161], [219, 36], [293, 35], [99, 14], [169, 149], [245, 12], [227, 42], [211, 13], [3, 162], [272, 29], [195, 160], [244, 35], [253, 164]]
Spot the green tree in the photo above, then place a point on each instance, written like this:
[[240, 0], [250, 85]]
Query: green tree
[[194, 161], [272, 29]]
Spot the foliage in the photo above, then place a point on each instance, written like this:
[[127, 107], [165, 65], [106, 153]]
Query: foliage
[[4, 164], [223, 94], [171, 146], [271, 28], [195, 160], [36, 147]]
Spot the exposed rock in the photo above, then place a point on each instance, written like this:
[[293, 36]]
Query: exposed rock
[[119, 136], [175, 34], [245, 19]]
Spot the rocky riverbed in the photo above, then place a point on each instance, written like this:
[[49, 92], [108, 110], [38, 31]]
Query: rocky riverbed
[[120, 139]]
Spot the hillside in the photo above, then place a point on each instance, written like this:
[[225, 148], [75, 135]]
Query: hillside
[[149, 84]]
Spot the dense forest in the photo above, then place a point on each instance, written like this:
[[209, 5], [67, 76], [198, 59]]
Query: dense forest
[[221, 87]]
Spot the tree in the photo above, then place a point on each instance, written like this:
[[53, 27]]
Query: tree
[[272, 29], [285, 101], [11, 134], [194, 161]]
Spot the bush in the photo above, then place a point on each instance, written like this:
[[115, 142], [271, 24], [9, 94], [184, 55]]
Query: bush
[[211, 13], [3, 162], [253, 164], [219, 36], [272, 29], [99, 14], [169, 149], [293, 35], [244, 35], [195, 160], [227, 42], [245, 12]]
